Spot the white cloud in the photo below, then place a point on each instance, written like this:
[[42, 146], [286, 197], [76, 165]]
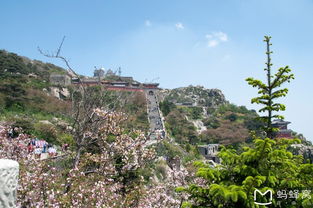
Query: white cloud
[[209, 36], [216, 38], [148, 23], [221, 36], [179, 26], [213, 43]]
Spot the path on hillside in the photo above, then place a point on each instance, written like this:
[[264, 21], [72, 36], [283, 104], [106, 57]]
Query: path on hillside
[[154, 115]]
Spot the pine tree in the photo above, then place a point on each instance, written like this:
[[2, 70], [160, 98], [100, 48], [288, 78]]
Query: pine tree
[[271, 90]]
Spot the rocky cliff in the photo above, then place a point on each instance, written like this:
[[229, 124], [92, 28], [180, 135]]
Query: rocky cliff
[[194, 96]]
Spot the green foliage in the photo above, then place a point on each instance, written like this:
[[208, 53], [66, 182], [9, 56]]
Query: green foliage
[[195, 112], [64, 138], [22, 122], [267, 165], [135, 108], [21, 84], [180, 128], [160, 169], [13, 94], [166, 107], [230, 123], [193, 154], [11, 63], [210, 110], [14, 66], [37, 83], [211, 123], [46, 131], [36, 124], [270, 91], [168, 149], [232, 117], [227, 124]]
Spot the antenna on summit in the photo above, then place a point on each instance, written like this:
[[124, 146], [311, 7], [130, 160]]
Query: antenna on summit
[[155, 79], [119, 71]]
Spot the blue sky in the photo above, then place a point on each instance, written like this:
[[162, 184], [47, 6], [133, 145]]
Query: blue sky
[[216, 44]]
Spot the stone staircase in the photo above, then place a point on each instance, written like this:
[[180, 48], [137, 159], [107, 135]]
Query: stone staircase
[[157, 130]]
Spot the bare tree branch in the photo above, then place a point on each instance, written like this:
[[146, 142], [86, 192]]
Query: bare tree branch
[[57, 55], [59, 49]]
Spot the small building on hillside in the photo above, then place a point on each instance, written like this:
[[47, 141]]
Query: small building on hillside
[[209, 151], [283, 131], [60, 79]]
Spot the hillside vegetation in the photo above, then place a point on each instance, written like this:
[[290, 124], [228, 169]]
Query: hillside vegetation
[[22, 82], [26, 101], [197, 115]]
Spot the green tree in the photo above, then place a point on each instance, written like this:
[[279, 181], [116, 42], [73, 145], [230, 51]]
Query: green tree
[[14, 94], [166, 107], [196, 112], [271, 90]]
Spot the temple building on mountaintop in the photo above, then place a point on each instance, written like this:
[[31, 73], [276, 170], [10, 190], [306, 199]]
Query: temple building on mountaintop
[[108, 79]]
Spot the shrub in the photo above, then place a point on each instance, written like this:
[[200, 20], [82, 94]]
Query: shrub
[[166, 107], [46, 131]]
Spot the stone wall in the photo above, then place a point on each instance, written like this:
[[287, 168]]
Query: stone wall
[[60, 80]]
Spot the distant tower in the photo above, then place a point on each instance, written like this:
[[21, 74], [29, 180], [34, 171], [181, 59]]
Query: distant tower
[[119, 71], [98, 72], [109, 73]]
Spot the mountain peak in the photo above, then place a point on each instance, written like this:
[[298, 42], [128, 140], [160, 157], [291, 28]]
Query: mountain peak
[[194, 96]]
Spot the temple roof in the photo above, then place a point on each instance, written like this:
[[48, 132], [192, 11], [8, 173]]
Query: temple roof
[[279, 122], [153, 84], [118, 82]]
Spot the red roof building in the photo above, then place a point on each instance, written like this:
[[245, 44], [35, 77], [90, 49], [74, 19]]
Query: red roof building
[[283, 131], [150, 85]]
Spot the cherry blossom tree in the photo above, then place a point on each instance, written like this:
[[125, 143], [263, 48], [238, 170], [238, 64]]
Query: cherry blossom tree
[[106, 175]]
